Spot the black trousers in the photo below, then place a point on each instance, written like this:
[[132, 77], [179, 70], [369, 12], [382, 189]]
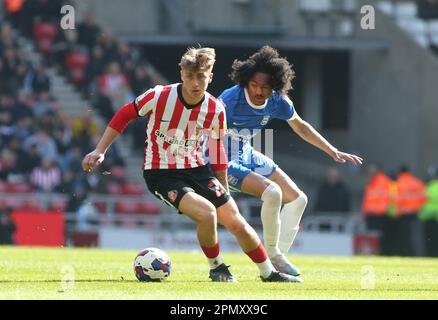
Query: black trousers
[[430, 238], [390, 239], [408, 236]]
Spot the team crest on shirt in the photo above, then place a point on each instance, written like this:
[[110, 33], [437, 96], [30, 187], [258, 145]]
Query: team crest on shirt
[[265, 120], [172, 194]]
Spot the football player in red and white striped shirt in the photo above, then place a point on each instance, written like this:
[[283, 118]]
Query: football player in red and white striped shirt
[[184, 124]]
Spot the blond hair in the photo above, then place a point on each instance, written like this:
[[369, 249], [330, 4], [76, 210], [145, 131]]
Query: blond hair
[[198, 59]]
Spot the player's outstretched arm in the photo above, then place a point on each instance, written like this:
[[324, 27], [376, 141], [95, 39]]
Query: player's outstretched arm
[[309, 134], [343, 157], [96, 157]]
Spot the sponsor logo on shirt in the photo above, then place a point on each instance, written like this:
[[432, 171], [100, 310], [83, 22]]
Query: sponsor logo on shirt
[[175, 141]]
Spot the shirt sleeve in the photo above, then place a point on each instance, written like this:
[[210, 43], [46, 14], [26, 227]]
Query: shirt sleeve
[[145, 102], [229, 97], [286, 109], [140, 107], [123, 117]]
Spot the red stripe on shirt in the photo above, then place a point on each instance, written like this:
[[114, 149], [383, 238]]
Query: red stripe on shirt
[[208, 121], [173, 125], [161, 105], [210, 114], [148, 97], [192, 126]]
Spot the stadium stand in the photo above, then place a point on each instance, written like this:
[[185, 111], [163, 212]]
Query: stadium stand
[[34, 125], [419, 19]]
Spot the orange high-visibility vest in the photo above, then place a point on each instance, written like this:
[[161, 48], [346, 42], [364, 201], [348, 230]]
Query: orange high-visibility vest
[[411, 194], [377, 197], [13, 6]]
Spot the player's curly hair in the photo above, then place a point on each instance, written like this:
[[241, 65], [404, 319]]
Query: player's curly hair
[[265, 60]]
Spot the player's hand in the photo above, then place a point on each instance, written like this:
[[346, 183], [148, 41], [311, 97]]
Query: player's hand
[[92, 160], [343, 157]]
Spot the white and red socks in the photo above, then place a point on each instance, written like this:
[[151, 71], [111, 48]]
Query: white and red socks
[[212, 254], [260, 258]]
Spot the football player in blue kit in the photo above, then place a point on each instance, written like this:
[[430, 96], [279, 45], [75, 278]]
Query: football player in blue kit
[[260, 95]]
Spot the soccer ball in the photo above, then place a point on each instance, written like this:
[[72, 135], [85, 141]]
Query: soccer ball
[[152, 264]]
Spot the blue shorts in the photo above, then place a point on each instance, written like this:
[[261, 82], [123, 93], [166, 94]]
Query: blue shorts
[[249, 161]]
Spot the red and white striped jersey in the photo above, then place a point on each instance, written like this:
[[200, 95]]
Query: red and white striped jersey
[[176, 135]]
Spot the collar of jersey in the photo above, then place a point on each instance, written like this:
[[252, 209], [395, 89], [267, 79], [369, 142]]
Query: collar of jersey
[[248, 100], [185, 104]]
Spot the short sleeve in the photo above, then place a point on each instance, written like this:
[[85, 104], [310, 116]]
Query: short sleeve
[[229, 97], [145, 102], [285, 109]]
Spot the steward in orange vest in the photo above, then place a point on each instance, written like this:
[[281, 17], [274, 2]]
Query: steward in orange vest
[[377, 198], [411, 197], [411, 194], [378, 201]]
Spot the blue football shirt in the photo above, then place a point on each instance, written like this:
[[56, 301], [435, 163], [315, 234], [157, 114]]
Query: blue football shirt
[[245, 120]]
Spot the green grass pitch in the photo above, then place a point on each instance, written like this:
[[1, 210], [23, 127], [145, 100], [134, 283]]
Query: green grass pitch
[[67, 273]]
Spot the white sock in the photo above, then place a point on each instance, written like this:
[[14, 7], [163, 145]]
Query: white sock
[[265, 268], [270, 216], [290, 218], [215, 262]]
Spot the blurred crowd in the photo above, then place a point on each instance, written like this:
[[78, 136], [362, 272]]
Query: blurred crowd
[[38, 143], [108, 72], [40, 147]]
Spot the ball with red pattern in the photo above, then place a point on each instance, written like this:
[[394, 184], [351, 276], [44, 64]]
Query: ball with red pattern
[[152, 265]]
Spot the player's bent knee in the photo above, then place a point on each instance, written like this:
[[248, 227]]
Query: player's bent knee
[[272, 194], [300, 202], [300, 199]]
